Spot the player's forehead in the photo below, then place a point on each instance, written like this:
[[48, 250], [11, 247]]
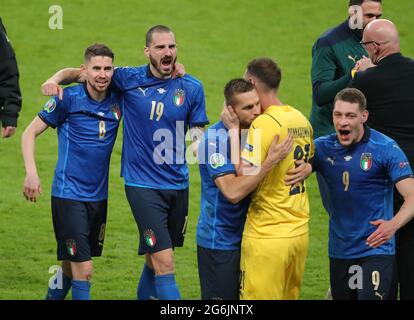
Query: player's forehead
[[371, 7], [344, 107], [246, 98], [102, 61], [162, 38]]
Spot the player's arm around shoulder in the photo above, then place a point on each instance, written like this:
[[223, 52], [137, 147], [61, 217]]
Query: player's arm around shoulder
[[51, 87]]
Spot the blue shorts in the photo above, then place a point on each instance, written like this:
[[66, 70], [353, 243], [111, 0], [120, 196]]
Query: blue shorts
[[219, 272], [367, 278], [161, 217], [79, 228]]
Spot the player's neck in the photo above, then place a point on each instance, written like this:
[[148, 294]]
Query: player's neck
[[270, 100], [96, 95]]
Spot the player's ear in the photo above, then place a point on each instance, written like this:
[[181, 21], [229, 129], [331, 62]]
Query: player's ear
[[83, 67], [365, 115], [146, 52]]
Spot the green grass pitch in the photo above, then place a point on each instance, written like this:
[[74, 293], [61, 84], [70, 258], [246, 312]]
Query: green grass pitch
[[216, 40]]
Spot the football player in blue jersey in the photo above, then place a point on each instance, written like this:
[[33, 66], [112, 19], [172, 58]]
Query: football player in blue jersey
[[87, 120], [158, 111], [224, 191], [359, 167]]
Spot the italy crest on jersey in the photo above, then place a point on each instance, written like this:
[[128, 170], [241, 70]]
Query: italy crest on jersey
[[179, 96], [116, 112], [366, 161], [50, 105]]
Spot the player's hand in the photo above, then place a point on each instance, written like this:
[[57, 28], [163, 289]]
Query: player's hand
[[7, 132], [229, 117], [278, 151], [385, 231], [363, 64], [179, 70], [301, 171], [51, 88], [32, 188]]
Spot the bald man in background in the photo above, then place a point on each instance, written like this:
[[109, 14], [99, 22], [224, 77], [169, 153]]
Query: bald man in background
[[389, 90]]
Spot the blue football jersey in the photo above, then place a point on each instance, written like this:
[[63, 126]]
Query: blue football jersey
[[220, 224], [157, 114], [86, 132], [359, 188]]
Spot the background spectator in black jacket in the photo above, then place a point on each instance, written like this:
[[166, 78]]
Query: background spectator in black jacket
[[10, 96]]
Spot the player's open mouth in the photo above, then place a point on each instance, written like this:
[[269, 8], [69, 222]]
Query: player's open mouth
[[344, 134], [166, 62]]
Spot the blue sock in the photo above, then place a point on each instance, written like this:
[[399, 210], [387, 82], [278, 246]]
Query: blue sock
[[59, 294], [146, 287], [81, 290], [166, 287]]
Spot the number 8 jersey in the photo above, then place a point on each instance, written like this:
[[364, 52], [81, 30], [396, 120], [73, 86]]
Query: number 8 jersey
[[277, 210], [87, 132]]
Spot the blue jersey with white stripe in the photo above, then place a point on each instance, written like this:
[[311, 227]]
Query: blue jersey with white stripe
[[220, 224], [359, 183], [86, 132], [157, 114]]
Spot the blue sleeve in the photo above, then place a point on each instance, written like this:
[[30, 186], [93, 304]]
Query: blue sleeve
[[55, 111], [214, 151], [198, 116], [397, 164]]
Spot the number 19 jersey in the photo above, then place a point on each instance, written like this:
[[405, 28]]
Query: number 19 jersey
[[157, 114], [277, 210]]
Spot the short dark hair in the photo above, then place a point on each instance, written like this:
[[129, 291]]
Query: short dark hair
[[266, 70], [157, 28], [359, 2], [352, 95], [234, 87], [98, 49]]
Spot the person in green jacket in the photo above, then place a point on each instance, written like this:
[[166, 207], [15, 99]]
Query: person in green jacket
[[334, 56]]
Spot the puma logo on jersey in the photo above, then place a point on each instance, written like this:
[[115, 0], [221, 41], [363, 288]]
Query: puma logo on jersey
[[352, 58], [142, 90], [329, 159]]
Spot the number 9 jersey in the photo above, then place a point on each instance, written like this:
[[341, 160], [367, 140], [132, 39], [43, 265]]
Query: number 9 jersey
[[277, 210]]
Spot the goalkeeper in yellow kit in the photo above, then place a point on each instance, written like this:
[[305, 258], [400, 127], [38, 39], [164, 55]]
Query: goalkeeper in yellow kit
[[275, 237]]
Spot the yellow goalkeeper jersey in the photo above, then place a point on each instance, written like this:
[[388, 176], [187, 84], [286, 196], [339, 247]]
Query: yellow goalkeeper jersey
[[277, 210]]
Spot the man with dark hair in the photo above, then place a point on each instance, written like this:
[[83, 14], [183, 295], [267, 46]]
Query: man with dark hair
[[360, 166], [87, 119], [334, 55], [275, 236], [389, 89], [224, 193], [10, 96], [158, 111]]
